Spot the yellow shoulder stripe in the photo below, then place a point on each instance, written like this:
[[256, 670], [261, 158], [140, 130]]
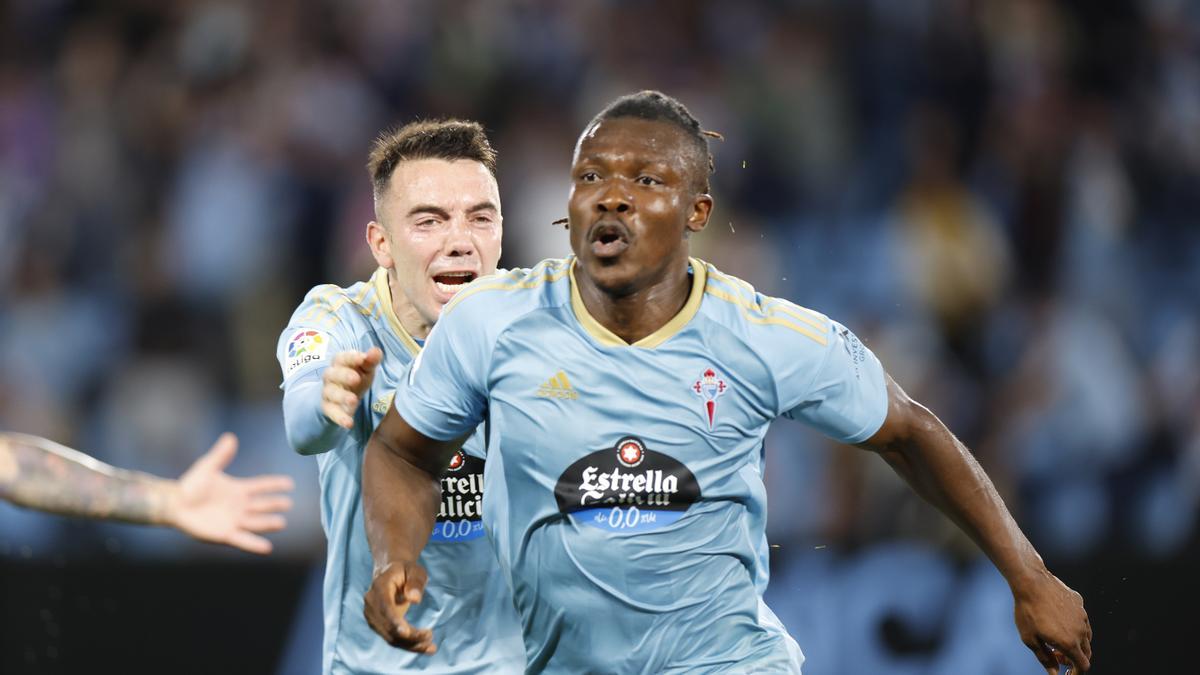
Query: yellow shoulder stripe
[[775, 305], [546, 271], [754, 314], [329, 300]]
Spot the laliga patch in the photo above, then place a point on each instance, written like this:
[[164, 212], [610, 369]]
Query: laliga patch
[[462, 500], [304, 347], [627, 488]]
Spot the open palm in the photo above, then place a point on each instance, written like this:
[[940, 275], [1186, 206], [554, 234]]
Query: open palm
[[213, 506]]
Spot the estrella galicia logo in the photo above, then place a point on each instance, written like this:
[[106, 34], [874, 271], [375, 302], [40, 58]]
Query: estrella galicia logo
[[462, 500], [627, 488]]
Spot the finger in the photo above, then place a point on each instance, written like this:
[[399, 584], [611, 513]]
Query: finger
[[1078, 660], [350, 358], [371, 359], [271, 504], [343, 377], [220, 454], [341, 396], [392, 625], [426, 647], [412, 638], [250, 543], [414, 585], [1044, 654], [336, 415], [263, 522], [271, 483]]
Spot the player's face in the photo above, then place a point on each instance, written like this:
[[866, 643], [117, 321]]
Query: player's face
[[633, 200], [443, 224]]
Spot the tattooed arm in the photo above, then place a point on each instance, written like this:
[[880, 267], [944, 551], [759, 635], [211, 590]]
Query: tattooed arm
[[205, 502], [43, 475], [1050, 616]]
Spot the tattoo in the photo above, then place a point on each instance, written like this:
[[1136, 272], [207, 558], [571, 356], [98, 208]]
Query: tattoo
[[43, 475]]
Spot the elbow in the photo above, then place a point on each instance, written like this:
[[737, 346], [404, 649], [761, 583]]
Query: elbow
[[907, 427], [307, 444]]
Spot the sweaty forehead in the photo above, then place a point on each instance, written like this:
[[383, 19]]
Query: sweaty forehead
[[448, 184], [632, 138]]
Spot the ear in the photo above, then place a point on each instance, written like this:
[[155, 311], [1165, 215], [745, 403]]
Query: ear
[[380, 244], [702, 206]]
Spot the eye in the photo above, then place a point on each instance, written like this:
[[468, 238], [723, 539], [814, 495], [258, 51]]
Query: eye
[[589, 177], [648, 180], [482, 221], [427, 223]]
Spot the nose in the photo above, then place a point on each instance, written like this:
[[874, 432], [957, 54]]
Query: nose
[[459, 242], [614, 200]]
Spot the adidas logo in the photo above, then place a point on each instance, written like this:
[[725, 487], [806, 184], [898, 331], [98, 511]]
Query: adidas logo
[[558, 387], [381, 406]]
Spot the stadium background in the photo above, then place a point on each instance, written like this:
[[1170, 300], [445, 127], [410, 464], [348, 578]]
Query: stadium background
[[999, 196]]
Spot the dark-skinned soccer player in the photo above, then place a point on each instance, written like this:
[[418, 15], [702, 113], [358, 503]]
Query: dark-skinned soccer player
[[626, 391]]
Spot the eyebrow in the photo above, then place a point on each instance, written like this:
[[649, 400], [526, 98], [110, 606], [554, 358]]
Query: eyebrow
[[443, 213]]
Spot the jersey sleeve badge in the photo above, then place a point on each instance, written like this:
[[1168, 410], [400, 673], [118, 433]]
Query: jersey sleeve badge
[[304, 347]]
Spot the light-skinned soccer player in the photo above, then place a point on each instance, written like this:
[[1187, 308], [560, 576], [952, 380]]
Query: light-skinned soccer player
[[437, 227], [204, 503], [629, 516]]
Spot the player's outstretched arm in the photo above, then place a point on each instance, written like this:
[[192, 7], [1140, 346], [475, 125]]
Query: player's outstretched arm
[[205, 502], [1049, 615], [401, 496]]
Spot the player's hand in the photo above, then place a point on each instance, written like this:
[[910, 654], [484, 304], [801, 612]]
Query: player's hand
[[345, 380], [213, 506], [395, 587], [1052, 622]]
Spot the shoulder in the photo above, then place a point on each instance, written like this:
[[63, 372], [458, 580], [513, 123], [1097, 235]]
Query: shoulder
[[327, 305], [760, 318], [511, 294]]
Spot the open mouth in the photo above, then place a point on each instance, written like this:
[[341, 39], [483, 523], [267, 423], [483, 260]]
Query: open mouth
[[451, 282], [609, 240]]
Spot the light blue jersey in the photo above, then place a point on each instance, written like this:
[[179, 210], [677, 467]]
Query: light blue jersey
[[467, 603], [624, 490]]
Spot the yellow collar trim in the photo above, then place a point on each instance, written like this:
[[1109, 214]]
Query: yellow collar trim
[[668, 330], [383, 291]]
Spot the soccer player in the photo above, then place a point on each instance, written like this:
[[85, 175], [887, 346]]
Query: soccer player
[[437, 227], [204, 503], [626, 392]]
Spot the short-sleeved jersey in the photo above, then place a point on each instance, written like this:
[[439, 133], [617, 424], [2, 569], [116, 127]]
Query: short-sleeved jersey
[[628, 478], [466, 603]]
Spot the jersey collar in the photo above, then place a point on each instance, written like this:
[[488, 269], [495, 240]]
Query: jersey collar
[[610, 339], [384, 292]]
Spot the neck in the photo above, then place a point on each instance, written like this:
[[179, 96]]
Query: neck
[[406, 313], [635, 315]]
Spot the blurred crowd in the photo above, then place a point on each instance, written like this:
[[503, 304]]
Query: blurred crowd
[[999, 196]]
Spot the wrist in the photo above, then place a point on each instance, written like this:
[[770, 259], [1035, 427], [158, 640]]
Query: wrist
[[169, 503], [1025, 581]]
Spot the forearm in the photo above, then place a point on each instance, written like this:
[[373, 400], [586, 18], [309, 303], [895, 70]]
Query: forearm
[[945, 473], [39, 474], [309, 431], [400, 503]]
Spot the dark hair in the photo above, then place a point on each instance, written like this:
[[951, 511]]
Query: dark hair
[[440, 139], [658, 107]]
